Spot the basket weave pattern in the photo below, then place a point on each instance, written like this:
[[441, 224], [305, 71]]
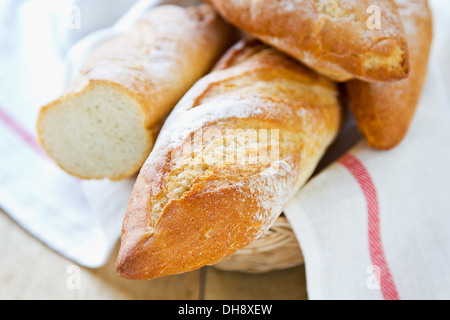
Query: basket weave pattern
[[277, 249]]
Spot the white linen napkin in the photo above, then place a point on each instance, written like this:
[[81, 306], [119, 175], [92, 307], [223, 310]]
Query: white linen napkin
[[398, 246], [79, 219]]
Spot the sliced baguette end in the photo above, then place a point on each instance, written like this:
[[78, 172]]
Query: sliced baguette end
[[96, 133]]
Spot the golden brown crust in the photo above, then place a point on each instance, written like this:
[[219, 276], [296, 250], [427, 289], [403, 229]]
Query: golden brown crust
[[190, 209], [155, 63], [330, 36], [383, 111]]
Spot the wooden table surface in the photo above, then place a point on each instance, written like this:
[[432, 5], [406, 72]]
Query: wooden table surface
[[30, 270]]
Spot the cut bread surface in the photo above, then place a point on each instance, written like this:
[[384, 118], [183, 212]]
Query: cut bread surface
[[97, 133]]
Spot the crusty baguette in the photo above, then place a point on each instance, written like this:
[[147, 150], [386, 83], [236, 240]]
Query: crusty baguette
[[383, 111], [105, 125], [232, 153], [330, 36]]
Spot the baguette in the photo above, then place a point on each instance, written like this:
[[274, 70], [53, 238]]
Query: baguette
[[230, 156], [332, 37], [105, 125], [383, 111]]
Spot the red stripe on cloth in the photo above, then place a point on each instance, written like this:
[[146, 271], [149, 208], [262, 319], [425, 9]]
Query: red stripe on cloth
[[20, 132], [377, 255]]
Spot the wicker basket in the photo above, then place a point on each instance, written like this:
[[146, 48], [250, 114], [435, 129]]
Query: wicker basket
[[277, 249]]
